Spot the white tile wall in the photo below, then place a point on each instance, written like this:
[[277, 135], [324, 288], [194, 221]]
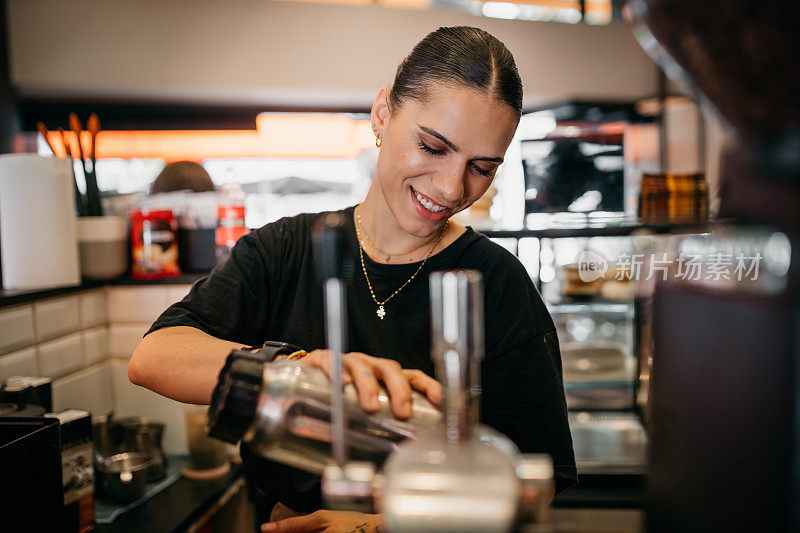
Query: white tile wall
[[123, 338], [95, 344], [76, 335], [55, 317], [136, 304], [132, 400], [16, 328], [92, 308], [61, 356], [89, 389], [20, 363], [175, 293]]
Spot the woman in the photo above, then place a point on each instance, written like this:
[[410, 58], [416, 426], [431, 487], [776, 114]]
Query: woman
[[442, 129]]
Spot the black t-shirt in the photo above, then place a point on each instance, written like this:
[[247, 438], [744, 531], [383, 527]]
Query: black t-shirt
[[268, 290]]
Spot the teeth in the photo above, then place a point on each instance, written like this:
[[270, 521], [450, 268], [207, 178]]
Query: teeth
[[430, 206]]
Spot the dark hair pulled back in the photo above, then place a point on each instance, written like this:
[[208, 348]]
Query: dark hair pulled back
[[461, 55]]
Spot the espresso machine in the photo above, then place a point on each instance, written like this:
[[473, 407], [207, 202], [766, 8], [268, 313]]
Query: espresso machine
[[723, 412], [437, 471]]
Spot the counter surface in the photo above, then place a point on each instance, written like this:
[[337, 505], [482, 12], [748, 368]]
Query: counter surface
[[594, 521], [175, 508]]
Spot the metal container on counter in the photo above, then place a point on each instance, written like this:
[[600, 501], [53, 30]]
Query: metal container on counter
[[144, 435], [125, 475]]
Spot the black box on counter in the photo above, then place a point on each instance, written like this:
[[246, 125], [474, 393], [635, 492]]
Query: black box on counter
[[77, 467], [31, 494]]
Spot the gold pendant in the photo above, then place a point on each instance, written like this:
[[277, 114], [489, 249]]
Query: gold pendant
[[381, 312]]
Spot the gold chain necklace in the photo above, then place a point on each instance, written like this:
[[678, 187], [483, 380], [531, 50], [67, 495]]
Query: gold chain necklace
[[381, 312], [372, 243]]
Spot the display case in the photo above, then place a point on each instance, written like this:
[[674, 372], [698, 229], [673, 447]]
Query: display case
[[594, 275]]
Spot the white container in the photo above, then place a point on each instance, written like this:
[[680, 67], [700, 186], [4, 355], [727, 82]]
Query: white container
[[103, 243], [38, 235]]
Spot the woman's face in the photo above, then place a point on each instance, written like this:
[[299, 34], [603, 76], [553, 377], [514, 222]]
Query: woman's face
[[440, 155]]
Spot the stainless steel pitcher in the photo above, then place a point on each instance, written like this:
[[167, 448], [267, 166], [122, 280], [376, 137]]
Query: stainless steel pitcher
[[282, 410]]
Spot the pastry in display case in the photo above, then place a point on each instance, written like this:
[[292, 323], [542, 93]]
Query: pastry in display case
[[575, 285], [617, 285]]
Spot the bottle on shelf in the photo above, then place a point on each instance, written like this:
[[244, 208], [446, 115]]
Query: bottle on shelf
[[230, 223]]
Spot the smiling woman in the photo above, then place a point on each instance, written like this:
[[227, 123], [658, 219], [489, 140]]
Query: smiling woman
[[438, 156], [443, 128]]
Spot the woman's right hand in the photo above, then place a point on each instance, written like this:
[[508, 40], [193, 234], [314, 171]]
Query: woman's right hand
[[367, 372]]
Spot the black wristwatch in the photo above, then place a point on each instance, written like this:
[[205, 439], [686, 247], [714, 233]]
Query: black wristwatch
[[235, 397], [271, 349]]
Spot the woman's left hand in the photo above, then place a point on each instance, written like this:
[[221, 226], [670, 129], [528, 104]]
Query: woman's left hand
[[327, 522]]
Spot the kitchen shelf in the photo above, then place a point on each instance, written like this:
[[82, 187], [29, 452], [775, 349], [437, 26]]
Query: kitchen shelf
[[14, 297], [184, 279]]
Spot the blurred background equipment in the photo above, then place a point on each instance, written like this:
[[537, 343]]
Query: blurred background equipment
[[574, 174], [740, 364]]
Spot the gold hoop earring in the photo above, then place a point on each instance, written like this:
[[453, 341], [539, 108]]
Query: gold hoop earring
[[378, 142]]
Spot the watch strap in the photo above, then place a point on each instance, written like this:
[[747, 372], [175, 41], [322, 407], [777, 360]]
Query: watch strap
[[271, 349]]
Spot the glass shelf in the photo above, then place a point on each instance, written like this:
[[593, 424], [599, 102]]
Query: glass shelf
[[611, 226], [594, 305]]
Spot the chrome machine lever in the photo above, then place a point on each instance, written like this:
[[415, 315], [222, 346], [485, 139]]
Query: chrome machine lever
[[344, 484], [330, 251]]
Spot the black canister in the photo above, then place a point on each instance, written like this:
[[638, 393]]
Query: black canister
[[198, 249]]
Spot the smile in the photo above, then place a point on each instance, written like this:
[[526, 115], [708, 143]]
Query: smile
[[427, 203]]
